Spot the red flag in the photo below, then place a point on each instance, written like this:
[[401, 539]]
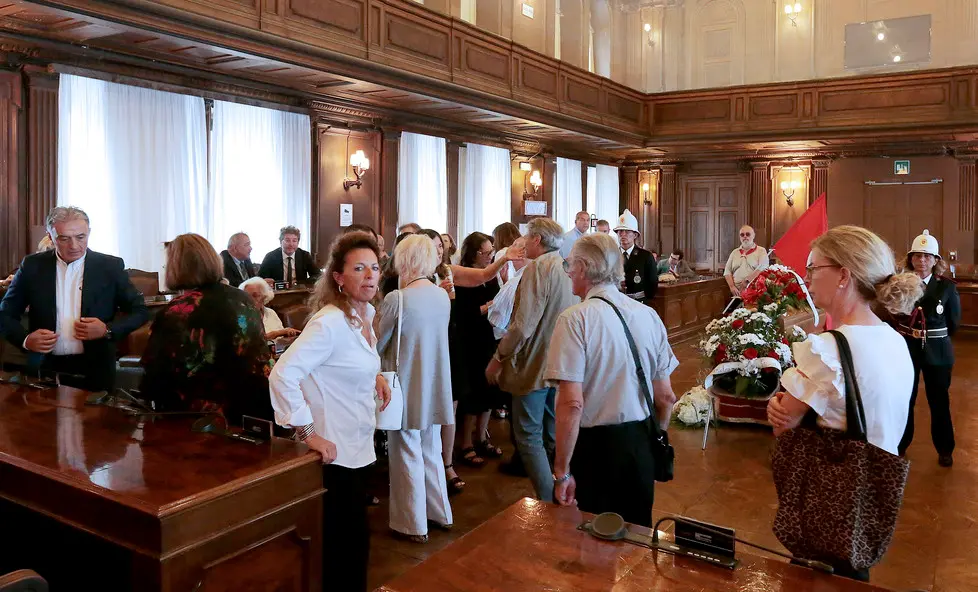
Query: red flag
[[795, 245]]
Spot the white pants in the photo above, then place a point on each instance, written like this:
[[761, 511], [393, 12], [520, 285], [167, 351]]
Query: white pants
[[419, 491]]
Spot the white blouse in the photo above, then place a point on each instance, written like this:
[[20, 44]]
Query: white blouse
[[328, 377], [884, 373], [271, 320]]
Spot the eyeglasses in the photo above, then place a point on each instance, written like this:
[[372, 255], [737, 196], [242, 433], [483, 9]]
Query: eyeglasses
[[485, 253], [744, 234], [810, 268]]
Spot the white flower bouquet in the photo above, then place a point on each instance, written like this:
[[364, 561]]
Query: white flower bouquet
[[693, 408]]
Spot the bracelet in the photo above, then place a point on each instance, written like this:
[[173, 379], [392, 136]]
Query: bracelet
[[561, 479], [303, 433]]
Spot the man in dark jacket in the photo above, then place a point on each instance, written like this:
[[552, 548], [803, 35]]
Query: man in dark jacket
[[72, 296], [237, 260], [641, 271], [290, 263]]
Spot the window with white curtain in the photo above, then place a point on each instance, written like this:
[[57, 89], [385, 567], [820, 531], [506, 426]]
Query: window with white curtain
[[261, 176], [136, 161], [485, 189], [422, 181], [567, 192], [606, 194]]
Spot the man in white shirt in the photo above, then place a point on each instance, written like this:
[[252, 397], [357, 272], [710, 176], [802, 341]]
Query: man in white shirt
[[72, 296], [581, 223], [745, 263]]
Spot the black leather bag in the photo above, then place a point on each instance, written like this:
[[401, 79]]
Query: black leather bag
[[662, 451]]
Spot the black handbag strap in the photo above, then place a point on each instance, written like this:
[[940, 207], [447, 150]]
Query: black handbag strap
[[855, 414], [638, 367]]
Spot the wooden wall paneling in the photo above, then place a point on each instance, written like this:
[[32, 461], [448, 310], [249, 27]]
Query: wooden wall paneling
[[536, 80], [581, 94], [669, 202], [649, 221], [13, 199], [820, 179], [549, 177], [783, 215], [42, 144], [584, 168], [481, 61], [335, 146], [337, 24], [620, 104], [759, 213], [390, 151], [966, 193], [452, 154], [406, 36], [240, 12], [628, 196], [520, 184]]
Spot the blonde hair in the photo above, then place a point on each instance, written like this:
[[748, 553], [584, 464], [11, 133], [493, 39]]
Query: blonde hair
[[872, 265], [415, 257], [601, 257], [192, 262], [327, 291]]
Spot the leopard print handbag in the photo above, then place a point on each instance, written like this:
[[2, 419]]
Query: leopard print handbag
[[838, 495]]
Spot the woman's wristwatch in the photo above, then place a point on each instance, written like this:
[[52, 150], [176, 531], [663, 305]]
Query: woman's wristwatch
[[561, 479]]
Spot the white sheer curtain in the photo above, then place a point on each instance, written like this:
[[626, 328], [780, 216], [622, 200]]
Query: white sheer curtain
[[567, 192], [136, 161], [261, 176], [422, 181], [606, 194], [485, 189]]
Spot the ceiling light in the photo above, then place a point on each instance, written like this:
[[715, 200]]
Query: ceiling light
[[880, 36]]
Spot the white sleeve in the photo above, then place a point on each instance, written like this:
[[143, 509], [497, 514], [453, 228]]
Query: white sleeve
[[310, 350], [818, 379], [764, 259], [728, 268]]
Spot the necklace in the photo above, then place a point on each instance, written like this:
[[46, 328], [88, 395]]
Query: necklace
[[414, 280]]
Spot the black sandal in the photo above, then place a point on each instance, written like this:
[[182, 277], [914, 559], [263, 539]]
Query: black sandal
[[486, 449], [471, 457], [455, 484], [419, 539]]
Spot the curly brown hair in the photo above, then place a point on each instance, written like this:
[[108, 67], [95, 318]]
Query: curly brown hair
[[327, 291]]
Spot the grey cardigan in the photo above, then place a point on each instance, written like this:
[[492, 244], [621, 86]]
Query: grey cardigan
[[425, 371]]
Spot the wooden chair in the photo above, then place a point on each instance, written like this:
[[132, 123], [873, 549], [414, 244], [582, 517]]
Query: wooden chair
[[23, 580], [147, 282], [296, 316]]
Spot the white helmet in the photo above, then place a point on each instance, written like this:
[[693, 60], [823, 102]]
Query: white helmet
[[627, 222], [925, 243]]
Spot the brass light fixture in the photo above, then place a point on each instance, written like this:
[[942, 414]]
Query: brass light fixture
[[790, 186], [360, 164], [792, 10]]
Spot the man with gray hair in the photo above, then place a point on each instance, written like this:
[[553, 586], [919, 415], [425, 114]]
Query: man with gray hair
[[518, 364], [71, 296], [237, 259], [290, 264]]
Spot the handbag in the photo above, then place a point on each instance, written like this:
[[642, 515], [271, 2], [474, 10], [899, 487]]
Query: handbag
[[391, 417], [838, 495], [662, 452]]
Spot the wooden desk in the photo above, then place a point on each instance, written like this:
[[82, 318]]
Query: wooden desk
[[686, 307], [113, 503], [968, 291], [533, 546]]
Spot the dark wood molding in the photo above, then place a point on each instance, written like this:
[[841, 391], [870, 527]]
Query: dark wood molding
[[389, 154], [42, 144], [820, 179], [669, 235], [966, 193], [14, 215], [760, 212], [452, 150]]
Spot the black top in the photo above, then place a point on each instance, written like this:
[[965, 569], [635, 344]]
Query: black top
[[473, 344], [940, 291], [232, 273], [272, 266], [640, 264]]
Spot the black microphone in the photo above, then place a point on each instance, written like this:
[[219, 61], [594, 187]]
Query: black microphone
[[809, 563]]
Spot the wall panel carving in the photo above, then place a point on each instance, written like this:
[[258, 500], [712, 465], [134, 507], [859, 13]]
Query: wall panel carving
[[42, 145], [966, 193]]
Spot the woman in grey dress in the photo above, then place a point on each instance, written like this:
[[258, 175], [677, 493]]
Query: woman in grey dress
[[419, 493]]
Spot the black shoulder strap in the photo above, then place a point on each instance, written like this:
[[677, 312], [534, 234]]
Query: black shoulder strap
[[855, 414], [638, 366]]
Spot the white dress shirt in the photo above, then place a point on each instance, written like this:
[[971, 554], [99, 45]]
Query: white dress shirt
[[271, 320], [570, 237], [328, 378], [68, 301], [285, 265]]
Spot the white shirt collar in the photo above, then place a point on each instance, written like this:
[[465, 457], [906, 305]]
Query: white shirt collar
[[600, 289], [927, 279], [80, 260], [629, 251]]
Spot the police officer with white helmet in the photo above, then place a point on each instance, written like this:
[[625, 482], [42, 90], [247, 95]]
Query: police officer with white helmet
[[641, 268], [928, 331]]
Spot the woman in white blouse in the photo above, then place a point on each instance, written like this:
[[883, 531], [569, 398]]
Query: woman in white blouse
[[333, 411], [851, 270], [261, 294]]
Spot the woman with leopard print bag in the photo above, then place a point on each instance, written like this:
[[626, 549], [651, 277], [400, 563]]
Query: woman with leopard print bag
[[836, 467]]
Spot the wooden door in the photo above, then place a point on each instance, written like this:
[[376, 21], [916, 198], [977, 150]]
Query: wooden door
[[714, 210], [701, 214], [898, 213]]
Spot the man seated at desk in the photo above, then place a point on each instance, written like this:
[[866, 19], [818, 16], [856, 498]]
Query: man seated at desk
[[72, 296], [289, 264], [677, 266], [745, 263], [641, 274], [237, 259]]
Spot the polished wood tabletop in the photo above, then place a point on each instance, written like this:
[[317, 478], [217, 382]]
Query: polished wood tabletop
[[533, 546]]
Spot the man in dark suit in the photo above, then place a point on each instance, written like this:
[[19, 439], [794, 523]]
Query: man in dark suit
[[72, 296], [641, 272], [237, 260], [290, 263]]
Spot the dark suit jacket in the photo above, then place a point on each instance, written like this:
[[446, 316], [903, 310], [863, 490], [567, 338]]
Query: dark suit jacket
[[231, 271], [641, 264], [305, 267], [106, 290], [936, 352]]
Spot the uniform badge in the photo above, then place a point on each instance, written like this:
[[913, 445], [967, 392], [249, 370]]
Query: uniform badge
[[637, 279], [940, 308]]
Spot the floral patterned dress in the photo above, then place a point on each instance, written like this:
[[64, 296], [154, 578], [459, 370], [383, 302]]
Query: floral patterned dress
[[207, 352]]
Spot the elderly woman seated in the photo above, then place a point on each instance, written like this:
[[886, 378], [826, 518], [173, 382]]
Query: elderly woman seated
[[261, 295]]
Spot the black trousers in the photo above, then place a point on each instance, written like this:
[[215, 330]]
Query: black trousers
[[615, 471], [937, 382], [346, 534]]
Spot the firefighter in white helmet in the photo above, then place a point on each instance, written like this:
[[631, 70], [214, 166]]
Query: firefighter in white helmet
[[641, 271], [928, 333]]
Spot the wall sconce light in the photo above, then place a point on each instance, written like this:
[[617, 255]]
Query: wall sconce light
[[535, 181], [789, 187], [647, 199], [792, 10], [651, 36], [360, 164]]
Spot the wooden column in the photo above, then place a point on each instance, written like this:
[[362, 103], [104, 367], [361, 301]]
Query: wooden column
[[669, 205], [628, 192], [14, 227], [759, 212], [649, 220], [820, 179], [452, 153], [584, 167], [42, 144], [966, 193], [549, 178], [389, 153]]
